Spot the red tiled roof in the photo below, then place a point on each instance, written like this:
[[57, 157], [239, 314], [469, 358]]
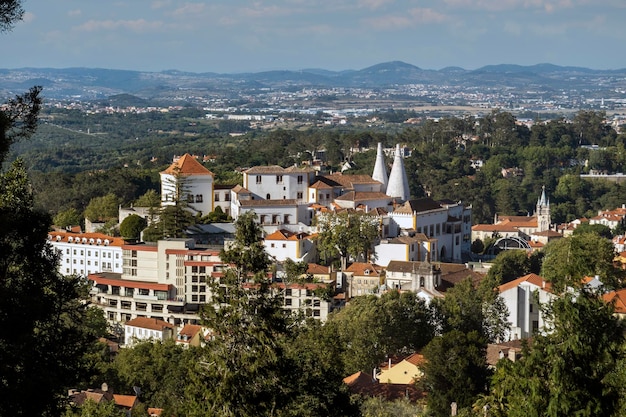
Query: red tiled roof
[[187, 165], [190, 330], [364, 384], [317, 269], [63, 236], [619, 300], [531, 278], [415, 359], [100, 279], [149, 323], [127, 401], [359, 268]]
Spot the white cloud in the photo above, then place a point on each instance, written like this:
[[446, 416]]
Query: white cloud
[[28, 17], [159, 4], [189, 9], [139, 25], [74, 13], [413, 17]]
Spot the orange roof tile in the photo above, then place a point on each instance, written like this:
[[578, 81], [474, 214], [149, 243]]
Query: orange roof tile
[[415, 359], [190, 330], [618, 298], [78, 238], [359, 268], [127, 401], [187, 165], [531, 278], [149, 323]]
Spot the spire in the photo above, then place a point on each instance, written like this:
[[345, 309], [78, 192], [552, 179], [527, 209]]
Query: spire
[[543, 201], [398, 186], [380, 171]]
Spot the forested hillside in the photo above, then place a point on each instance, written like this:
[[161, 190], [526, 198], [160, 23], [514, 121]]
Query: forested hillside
[[76, 156]]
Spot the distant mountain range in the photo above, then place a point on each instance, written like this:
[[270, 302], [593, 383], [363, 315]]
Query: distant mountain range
[[95, 83]]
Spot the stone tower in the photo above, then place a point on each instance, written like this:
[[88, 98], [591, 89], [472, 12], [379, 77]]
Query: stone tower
[[542, 211]]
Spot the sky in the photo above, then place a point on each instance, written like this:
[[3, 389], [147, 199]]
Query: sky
[[234, 36]]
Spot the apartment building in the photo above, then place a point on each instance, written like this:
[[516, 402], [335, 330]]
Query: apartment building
[[86, 253]]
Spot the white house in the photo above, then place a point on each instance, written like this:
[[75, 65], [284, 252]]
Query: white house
[[283, 244], [188, 179], [523, 298], [143, 329], [87, 253], [418, 247]]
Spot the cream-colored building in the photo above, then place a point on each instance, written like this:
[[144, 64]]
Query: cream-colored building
[[407, 371]]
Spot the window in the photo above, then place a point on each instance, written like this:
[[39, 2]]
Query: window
[[288, 292], [144, 291], [194, 298], [129, 292], [190, 198], [74, 251], [67, 251], [284, 245], [258, 179], [287, 301], [279, 179], [272, 245], [299, 196], [227, 197], [203, 298], [267, 196], [316, 313], [316, 303], [88, 253], [300, 179], [198, 198], [217, 197]]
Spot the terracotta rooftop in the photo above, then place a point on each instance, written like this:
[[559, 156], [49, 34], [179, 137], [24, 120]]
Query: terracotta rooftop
[[190, 330], [618, 298], [88, 239], [359, 268], [318, 269], [363, 384], [531, 278], [149, 323], [187, 165]]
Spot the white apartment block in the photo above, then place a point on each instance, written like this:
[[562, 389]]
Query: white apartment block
[[87, 253]]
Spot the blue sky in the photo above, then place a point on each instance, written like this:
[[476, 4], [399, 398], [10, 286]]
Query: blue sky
[[241, 36]]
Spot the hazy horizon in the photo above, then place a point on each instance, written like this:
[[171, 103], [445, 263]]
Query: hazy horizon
[[241, 36]]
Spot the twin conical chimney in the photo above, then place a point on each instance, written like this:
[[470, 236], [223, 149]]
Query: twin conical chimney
[[380, 170], [398, 186]]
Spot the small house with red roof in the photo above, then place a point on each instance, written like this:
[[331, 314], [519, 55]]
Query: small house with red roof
[[144, 328], [407, 371], [190, 335], [363, 278], [283, 244]]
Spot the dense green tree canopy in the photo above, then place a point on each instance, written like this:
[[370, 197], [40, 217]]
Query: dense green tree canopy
[[571, 370], [347, 234], [131, 226], [567, 261]]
